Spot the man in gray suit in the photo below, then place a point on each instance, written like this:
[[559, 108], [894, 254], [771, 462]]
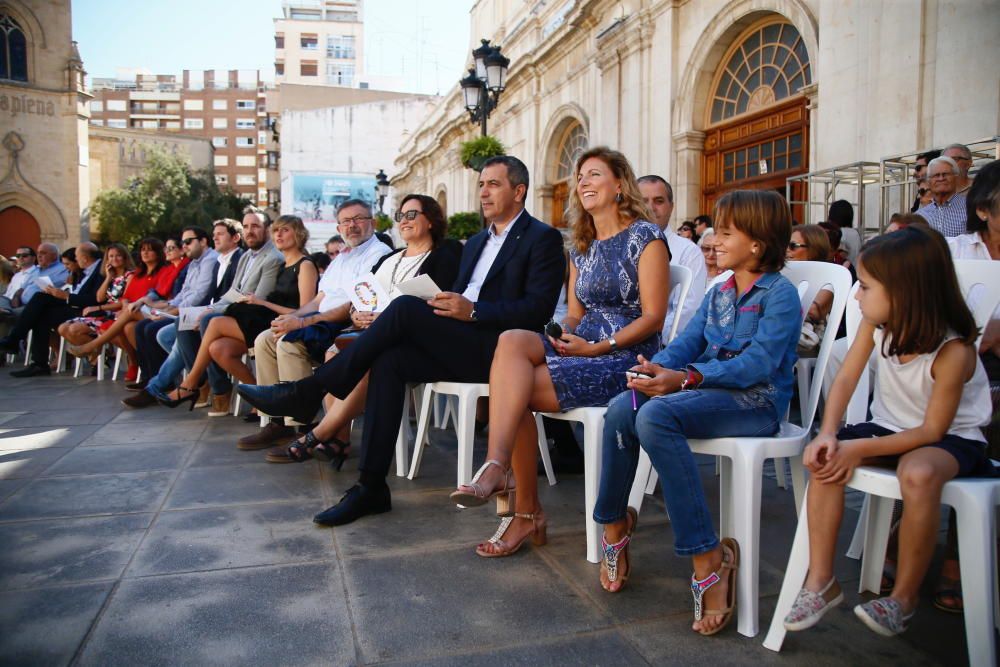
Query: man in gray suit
[[256, 273]]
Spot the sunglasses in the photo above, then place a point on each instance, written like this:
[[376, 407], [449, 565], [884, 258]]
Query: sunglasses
[[189, 241], [409, 215], [792, 245], [922, 191], [24, 254]]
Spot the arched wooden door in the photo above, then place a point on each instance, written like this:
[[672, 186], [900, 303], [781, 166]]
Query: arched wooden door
[[757, 122], [18, 228]]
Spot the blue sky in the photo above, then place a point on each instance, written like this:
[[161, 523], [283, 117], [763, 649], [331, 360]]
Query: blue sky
[[424, 41]]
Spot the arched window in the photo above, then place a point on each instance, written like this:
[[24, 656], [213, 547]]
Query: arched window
[[573, 144], [13, 50], [768, 65]]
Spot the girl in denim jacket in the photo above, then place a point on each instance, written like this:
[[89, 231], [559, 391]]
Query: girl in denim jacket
[[728, 374]]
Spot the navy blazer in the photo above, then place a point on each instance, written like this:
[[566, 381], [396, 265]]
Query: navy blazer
[[220, 289], [87, 294], [522, 286]]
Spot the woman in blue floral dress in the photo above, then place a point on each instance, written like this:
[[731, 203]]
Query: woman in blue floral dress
[[621, 276]]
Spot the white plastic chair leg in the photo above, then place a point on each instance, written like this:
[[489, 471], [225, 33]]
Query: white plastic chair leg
[[644, 474], [592, 435], [403, 438], [795, 576], [879, 524], [779, 473], [102, 362], [423, 422], [798, 481], [61, 356], [118, 364], [543, 450], [466, 437], [725, 495], [27, 347], [977, 544], [78, 367], [746, 485], [858, 540]]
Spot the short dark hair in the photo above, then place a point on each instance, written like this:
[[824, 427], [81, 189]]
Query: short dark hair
[[432, 211], [841, 213], [31, 251], [261, 215], [984, 194], [353, 202], [707, 219], [929, 155], [336, 238], [764, 216], [517, 172], [69, 253], [321, 260], [234, 227], [654, 178], [198, 232]]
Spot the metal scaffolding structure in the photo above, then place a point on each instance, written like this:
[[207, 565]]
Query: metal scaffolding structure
[[856, 182], [898, 188], [877, 190]]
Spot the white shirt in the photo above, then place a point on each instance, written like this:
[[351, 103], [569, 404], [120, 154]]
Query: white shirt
[[400, 266], [223, 265], [683, 252], [850, 241], [16, 282], [491, 249], [971, 246], [346, 270]]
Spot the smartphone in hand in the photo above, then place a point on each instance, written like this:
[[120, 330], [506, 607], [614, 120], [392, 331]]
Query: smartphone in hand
[[636, 375]]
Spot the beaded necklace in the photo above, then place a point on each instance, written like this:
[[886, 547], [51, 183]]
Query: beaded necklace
[[411, 270]]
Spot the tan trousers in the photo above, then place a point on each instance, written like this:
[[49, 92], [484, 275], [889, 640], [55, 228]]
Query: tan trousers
[[278, 361]]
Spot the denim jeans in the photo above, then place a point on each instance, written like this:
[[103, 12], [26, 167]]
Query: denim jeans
[[662, 426], [170, 371], [188, 341]]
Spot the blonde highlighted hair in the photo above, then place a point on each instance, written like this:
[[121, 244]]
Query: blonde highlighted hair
[[632, 207], [294, 223]]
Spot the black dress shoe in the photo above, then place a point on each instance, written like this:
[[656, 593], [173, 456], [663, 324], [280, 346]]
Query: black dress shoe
[[31, 371], [360, 500], [285, 399], [141, 399]]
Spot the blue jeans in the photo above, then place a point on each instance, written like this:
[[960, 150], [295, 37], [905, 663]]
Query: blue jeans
[[170, 371], [188, 342], [662, 426]]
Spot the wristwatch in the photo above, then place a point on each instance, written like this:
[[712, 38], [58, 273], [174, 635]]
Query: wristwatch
[[692, 380], [613, 343], [472, 315]]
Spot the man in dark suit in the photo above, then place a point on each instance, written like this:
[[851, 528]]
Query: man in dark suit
[[509, 278], [53, 306]]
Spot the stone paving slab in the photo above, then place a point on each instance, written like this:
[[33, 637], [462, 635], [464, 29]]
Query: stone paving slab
[[45, 626], [43, 553], [293, 615], [146, 537]]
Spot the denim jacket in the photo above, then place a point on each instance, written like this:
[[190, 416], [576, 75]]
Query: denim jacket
[[743, 342]]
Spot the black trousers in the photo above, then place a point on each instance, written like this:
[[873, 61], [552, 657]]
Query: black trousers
[[151, 354], [408, 343], [41, 315]]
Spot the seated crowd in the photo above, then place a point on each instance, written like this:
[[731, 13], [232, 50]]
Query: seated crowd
[[348, 334]]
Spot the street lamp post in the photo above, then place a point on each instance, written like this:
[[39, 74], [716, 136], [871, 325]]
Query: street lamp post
[[381, 188], [484, 82]]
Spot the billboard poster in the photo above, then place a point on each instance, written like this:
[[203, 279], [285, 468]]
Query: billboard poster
[[315, 197]]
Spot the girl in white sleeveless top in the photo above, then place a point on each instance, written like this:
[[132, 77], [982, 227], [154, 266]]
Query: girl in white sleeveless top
[[931, 399]]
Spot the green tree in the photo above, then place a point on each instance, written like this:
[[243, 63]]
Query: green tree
[[464, 224], [164, 199]]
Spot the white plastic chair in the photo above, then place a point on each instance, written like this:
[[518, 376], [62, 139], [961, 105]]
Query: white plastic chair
[[979, 281], [592, 419], [467, 393], [974, 501], [743, 458]]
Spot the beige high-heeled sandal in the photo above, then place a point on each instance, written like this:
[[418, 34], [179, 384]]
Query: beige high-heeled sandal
[[479, 496], [538, 536]]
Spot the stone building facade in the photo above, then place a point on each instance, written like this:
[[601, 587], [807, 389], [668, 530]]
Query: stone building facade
[[717, 94], [43, 127]]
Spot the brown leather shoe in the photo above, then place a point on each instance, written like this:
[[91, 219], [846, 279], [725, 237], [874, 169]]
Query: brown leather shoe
[[273, 434], [140, 399], [204, 397], [220, 405]]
